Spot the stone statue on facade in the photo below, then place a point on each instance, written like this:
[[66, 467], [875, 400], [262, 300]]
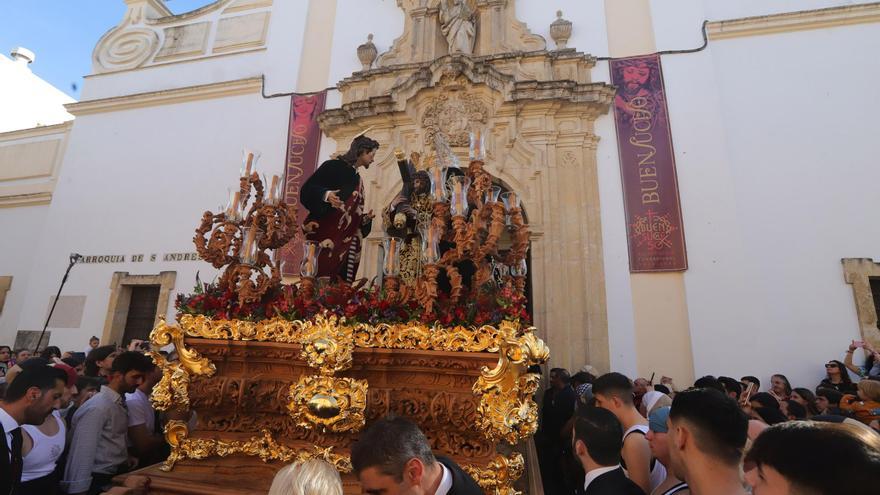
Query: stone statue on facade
[[458, 24]]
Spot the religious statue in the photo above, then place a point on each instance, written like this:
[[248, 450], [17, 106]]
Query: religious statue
[[458, 25], [408, 211], [334, 197]]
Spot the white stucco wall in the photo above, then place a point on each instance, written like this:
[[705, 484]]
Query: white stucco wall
[[136, 182], [21, 227], [26, 100], [773, 142]]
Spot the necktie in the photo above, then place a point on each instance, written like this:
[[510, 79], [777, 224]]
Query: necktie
[[16, 462]]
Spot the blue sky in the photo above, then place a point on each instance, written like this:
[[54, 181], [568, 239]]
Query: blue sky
[[63, 33]]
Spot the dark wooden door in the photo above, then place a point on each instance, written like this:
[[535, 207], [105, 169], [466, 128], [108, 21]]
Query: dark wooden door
[[141, 313]]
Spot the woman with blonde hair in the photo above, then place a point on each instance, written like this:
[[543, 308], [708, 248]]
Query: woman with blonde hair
[[865, 406], [314, 477]]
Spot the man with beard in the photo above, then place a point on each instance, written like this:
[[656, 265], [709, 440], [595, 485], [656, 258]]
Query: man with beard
[[33, 395], [334, 197], [641, 79], [98, 448]]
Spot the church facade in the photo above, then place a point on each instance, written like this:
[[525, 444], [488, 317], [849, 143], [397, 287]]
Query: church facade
[[768, 134]]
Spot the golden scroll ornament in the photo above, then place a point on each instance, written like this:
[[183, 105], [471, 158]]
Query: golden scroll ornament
[[331, 403], [326, 344], [498, 477], [411, 336], [507, 410], [264, 446], [173, 389]]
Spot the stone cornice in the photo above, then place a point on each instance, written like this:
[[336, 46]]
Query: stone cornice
[[32, 199], [475, 70], [795, 21], [43, 130], [588, 60], [168, 96]]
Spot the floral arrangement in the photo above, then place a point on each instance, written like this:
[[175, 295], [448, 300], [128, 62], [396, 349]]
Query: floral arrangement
[[358, 303]]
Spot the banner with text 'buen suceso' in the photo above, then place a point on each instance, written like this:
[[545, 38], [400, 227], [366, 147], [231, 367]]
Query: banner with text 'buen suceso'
[[303, 146], [647, 166]]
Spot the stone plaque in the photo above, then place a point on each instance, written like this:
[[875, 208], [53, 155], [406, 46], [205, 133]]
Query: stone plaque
[[184, 41]]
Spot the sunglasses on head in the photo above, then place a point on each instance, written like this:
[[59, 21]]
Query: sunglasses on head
[[831, 365]]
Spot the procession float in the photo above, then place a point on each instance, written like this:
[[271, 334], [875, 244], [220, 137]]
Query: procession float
[[280, 370]]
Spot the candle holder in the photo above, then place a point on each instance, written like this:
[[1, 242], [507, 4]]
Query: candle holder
[[437, 177], [308, 268], [249, 161], [477, 150], [518, 271], [391, 264], [491, 195], [274, 190], [234, 207], [430, 244], [237, 239], [511, 204], [458, 191], [250, 246]]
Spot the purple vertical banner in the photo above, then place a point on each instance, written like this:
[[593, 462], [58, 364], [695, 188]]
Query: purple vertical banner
[[647, 166], [303, 146]]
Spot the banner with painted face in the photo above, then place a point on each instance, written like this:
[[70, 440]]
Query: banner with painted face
[[647, 166], [303, 146]]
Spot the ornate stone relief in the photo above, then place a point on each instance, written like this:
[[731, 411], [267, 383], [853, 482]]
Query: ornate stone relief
[[149, 34], [456, 115], [434, 28]]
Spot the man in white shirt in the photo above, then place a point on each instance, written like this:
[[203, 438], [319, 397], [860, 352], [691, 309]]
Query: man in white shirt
[[148, 444], [30, 398]]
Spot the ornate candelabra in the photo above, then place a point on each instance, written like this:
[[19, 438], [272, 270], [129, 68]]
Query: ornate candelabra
[[469, 213], [254, 220]]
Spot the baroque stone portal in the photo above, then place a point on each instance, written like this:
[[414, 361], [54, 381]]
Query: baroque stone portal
[[536, 110]]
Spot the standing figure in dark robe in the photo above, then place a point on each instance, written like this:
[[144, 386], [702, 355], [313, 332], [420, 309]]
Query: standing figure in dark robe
[[334, 197]]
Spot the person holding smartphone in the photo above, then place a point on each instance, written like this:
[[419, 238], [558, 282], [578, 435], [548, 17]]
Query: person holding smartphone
[[872, 359]]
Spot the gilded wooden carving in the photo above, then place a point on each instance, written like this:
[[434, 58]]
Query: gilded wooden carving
[[264, 446], [330, 403], [507, 410], [172, 389]]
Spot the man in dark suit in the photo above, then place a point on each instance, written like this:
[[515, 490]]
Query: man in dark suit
[[598, 438], [31, 396], [393, 458]]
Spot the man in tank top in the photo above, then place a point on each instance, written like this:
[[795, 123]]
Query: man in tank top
[[614, 391], [42, 445]]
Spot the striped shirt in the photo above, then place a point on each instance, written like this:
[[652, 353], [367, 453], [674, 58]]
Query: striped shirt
[[98, 444]]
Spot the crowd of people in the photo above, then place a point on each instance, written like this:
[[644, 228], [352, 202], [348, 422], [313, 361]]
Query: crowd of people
[[73, 421], [719, 436]]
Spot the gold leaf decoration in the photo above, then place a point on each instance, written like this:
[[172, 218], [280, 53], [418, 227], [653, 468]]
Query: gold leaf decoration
[[498, 477], [264, 446], [326, 344], [507, 410], [172, 389], [335, 404]]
